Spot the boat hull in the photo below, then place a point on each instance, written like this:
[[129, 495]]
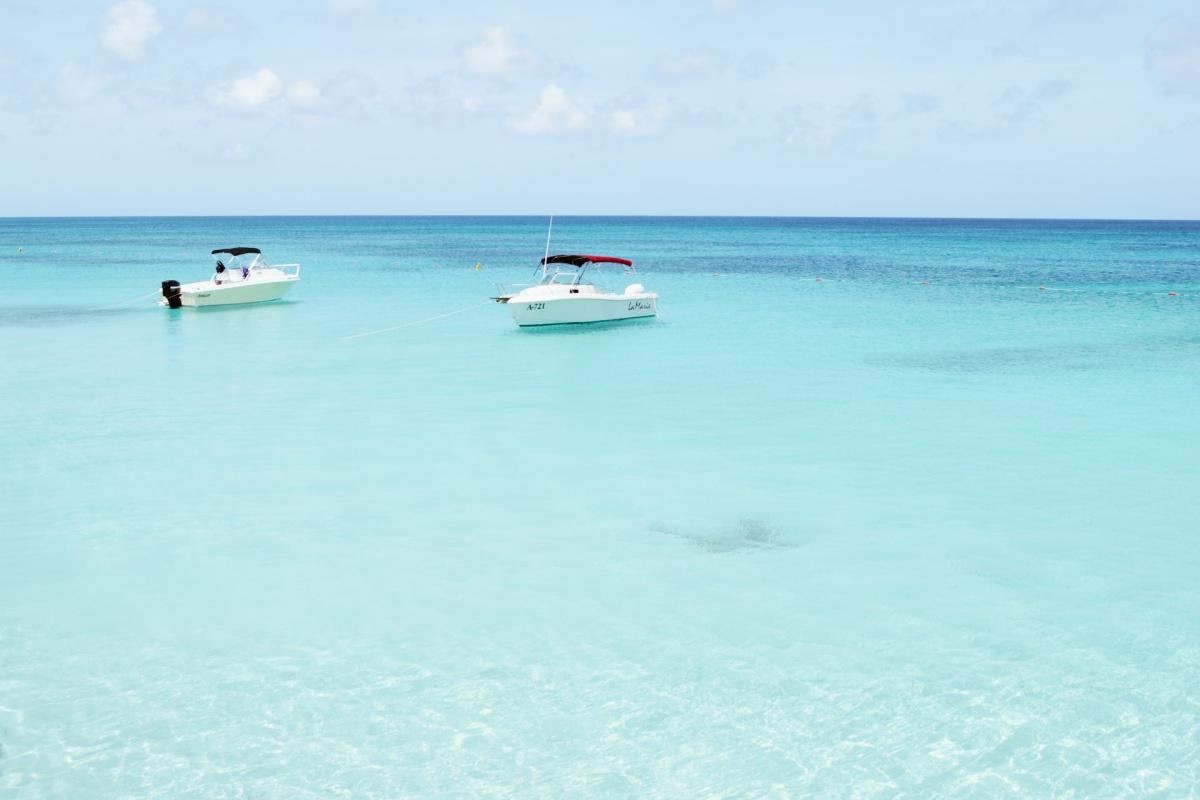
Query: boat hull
[[528, 313], [193, 296]]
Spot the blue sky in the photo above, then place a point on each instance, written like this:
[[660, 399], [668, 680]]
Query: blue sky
[[1046, 108]]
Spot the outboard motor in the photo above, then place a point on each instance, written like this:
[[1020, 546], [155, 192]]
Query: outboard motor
[[170, 290]]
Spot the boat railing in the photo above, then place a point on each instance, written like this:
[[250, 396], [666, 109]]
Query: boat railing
[[512, 288], [290, 270]]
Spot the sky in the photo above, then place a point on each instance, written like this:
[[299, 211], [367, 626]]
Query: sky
[[1028, 108]]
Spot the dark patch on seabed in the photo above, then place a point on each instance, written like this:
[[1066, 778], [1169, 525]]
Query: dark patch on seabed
[[745, 535], [998, 358], [1066, 356], [55, 315]]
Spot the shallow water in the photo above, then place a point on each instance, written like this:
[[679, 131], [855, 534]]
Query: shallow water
[[919, 528]]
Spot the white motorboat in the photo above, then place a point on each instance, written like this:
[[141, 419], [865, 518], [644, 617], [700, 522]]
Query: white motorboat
[[246, 278], [564, 297]]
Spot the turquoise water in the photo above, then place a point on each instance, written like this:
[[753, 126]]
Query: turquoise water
[[916, 529]]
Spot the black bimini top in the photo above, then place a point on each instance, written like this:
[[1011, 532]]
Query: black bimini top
[[237, 251], [579, 261]]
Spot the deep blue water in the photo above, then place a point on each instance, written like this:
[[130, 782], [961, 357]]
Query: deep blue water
[[924, 527]]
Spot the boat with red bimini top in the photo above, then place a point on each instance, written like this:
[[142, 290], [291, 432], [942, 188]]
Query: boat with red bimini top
[[564, 296]]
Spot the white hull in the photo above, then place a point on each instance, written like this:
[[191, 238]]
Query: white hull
[[528, 312], [208, 293]]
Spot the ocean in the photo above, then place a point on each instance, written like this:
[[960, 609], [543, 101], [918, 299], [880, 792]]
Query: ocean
[[874, 508]]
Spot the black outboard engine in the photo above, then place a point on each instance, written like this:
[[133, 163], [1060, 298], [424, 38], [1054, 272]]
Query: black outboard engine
[[170, 290]]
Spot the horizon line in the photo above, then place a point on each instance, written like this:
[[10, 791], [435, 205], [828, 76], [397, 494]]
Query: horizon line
[[596, 216]]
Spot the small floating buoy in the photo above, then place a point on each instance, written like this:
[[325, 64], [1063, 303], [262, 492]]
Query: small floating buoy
[[20, 250], [478, 264], [1172, 294]]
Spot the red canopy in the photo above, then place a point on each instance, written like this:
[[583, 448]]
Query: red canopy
[[579, 261]]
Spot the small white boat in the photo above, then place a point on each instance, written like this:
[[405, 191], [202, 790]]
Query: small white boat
[[246, 278], [563, 297]]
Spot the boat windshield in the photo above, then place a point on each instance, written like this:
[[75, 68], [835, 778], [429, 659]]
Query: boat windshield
[[574, 278], [237, 263], [580, 275]]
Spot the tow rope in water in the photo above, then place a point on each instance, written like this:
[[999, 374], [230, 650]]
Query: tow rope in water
[[155, 293], [414, 322]]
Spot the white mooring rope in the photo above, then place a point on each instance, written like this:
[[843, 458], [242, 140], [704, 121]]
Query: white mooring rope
[[414, 322], [157, 292]]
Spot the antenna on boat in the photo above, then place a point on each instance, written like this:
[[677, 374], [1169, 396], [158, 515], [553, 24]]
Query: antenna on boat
[[547, 255]]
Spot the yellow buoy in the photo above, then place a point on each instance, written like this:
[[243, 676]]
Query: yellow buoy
[[478, 264]]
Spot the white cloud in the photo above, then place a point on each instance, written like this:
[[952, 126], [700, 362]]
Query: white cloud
[[198, 20], [351, 93], [264, 91], [496, 54], [350, 7], [643, 120], [237, 152], [202, 21], [1079, 10], [76, 85], [1016, 109], [624, 121], [1173, 55], [756, 66], [691, 64], [128, 27], [916, 103], [248, 92], [821, 127], [445, 95], [556, 113], [304, 95]]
